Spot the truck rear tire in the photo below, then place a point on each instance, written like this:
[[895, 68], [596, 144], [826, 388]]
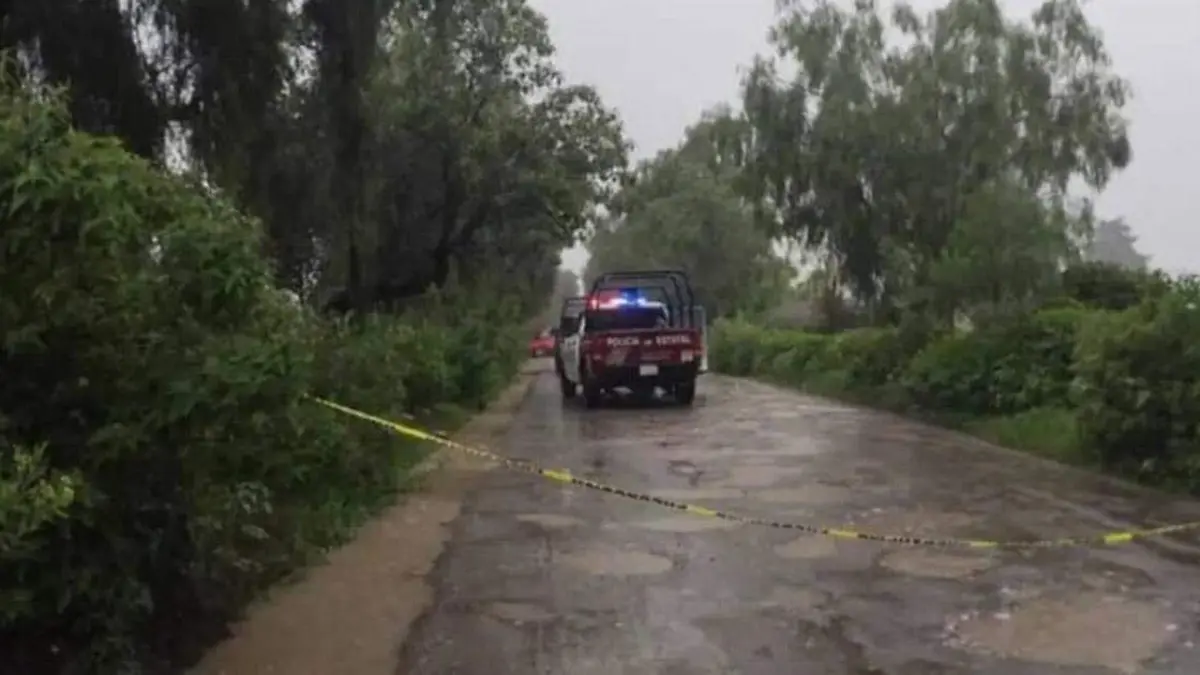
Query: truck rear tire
[[685, 394]]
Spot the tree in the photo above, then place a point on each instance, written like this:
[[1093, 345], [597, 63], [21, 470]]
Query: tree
[[422, 161], [879, 151], [487, 162], [389, 147], [1002, 256], [90, 47], [1113, 242], [680, 210]]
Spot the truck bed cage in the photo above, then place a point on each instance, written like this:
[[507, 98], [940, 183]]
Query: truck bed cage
[[572, 309], [672, 284]]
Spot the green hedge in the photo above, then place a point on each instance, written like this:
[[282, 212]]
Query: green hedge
[[1006, 369], [159, 463], [1116, 389], [1138, 392]]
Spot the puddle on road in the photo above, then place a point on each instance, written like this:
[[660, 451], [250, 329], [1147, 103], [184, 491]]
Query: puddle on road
[[916, 523], [805, 494], [807, 547], [1117, 579], [688, 523], [735, 453], [759, 460], [923, 562], [519, 612], [615, 562], [549, 520], [760, 476], [1089, 630], [793, 598]]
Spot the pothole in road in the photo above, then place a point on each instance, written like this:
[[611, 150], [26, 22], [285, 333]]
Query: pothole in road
[[733, 454], [923, 562], [1088, 630], [698, 494], [916, 523], [685, 524], [759, 460], [807, 548], [793, 598], [615, 562], [519, 612], [682, 467], [549, 520]]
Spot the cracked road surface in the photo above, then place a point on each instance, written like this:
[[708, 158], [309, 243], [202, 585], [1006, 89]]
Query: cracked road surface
[[542, 579]]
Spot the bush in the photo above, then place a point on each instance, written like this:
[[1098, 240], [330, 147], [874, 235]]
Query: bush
[[32, 499], [159, 462], [144, 333], [1112, 388], [741, 348], [1008, 382], [792, 364], [868, 357], [734, 345], [1018, 365], [1099, 285], [1138, 394], [1051, 432]]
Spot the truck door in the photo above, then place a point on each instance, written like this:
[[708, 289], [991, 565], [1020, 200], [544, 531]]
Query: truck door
[[570, 352]]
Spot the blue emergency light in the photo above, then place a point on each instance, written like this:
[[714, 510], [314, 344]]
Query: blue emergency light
[[623, 298]]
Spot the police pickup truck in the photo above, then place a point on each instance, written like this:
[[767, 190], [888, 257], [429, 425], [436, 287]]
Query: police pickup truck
[[639, 331]]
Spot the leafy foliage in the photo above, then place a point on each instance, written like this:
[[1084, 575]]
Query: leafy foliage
[[147, 331], [681, 210], [410, 172], [1113, 388], [908, 161], [1022, 364], [1139, 403], [927, 177], [1107, 286], [367, 201]]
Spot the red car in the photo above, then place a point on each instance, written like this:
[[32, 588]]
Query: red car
[[542, 344]]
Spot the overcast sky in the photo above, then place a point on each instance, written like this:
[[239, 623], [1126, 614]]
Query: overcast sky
[[662, 62]]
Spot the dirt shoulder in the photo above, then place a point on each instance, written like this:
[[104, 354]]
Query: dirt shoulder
[[351, 615]]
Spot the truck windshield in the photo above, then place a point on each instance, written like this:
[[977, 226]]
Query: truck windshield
[[626, 318]]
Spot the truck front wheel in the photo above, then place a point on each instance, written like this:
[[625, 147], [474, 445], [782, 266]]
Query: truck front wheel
[[592, 396], [592, 393]]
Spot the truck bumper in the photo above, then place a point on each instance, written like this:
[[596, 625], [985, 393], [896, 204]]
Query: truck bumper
[[644, 375]]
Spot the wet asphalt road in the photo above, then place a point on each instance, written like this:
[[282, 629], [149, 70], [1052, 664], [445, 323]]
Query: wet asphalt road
[[542, 579]]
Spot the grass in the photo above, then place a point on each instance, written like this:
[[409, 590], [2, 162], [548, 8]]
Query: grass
[[1049, 432]]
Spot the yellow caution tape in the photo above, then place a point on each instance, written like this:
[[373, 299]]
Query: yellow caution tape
[[565, 476]]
